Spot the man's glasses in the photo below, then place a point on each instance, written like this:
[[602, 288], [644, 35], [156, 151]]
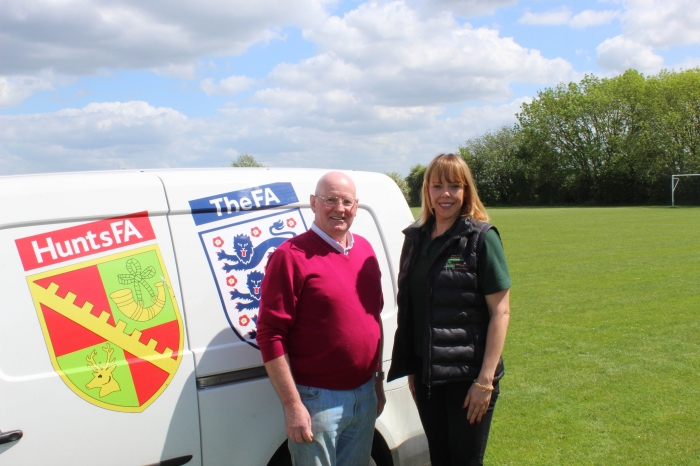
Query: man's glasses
[[332, 201]]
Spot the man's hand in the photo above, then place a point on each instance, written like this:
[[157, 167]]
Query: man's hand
[[381, 397], [296, 417], [298, 423]]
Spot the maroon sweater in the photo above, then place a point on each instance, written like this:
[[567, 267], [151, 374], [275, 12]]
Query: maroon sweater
[[323, 309]]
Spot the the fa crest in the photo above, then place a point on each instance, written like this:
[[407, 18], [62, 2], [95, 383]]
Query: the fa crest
[[238, 255]]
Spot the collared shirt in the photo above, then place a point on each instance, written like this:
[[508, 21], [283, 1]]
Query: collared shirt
[[336, 245]]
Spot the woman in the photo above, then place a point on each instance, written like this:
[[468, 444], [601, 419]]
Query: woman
[[453, 314]]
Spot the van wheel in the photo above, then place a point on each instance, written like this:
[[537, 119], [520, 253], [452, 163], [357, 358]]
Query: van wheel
[[381, 456], [281, 456]]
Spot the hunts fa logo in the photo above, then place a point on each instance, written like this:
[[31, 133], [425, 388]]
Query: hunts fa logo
[[112, 327], [238, 256]]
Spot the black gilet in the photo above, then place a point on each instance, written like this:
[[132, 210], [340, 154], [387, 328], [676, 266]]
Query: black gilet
[[457, 317]]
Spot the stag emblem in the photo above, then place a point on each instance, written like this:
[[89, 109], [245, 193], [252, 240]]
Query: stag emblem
[[102, 373]]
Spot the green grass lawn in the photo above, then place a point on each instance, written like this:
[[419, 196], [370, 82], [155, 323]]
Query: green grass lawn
[[603, 350]]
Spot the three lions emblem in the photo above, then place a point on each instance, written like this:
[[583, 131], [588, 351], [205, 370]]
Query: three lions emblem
[[238, 255]]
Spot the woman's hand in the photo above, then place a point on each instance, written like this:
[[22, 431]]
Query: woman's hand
[[412, 387], [478, 399], [477, 403]]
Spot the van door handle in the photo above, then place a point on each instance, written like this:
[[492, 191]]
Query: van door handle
[[11, 436]]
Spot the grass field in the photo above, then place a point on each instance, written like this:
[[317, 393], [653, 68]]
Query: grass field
[[603, 350]]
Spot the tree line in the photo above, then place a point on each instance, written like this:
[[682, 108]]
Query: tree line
[[612, 141]]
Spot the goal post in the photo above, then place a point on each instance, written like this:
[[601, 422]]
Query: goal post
[[674, 182]]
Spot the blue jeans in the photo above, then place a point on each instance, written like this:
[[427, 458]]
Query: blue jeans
[[342, 422]]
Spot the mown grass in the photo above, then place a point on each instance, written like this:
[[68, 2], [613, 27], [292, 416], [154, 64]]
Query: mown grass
[[603, 350]]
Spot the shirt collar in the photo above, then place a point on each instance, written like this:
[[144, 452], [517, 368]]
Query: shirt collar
[[336, 245], [427, 229]]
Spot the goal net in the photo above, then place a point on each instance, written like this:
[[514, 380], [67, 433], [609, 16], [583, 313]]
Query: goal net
[[687, 192]]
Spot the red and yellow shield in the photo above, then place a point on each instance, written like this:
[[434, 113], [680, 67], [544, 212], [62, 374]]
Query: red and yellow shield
[[112, 326]]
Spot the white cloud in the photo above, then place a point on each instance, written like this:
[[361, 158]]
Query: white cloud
[[662, 23], [388, 55], [138, 135], [181, 70], [467, 8], [564, 16], [227, 86], [97, 136], [547, 18], [82, 36], [594, 18], [688, 63], [381, 93], [647, 26], [15, 89], [619, 54], [100, 125]]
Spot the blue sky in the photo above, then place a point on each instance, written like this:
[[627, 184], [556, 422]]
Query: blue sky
[[381, 86]]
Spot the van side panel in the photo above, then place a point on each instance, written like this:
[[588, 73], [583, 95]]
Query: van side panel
[[148, 280], [62, 333]]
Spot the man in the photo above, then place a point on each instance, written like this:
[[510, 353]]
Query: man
[[319, 331]]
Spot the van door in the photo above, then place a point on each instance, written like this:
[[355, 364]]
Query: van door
[[224, 225], [94, 360]]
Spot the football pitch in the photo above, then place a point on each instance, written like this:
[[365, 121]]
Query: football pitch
[[603, 349]]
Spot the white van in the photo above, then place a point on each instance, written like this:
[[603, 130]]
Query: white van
[[128, 314]]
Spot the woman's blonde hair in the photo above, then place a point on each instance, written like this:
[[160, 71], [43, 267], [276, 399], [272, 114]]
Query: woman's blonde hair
[[451, 168]]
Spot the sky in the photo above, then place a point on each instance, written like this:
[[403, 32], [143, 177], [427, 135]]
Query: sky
[[347, 84]]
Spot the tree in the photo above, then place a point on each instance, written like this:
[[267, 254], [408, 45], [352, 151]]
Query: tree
[[614, 140], [415, 184], [600, 141], [245, 160], [400, 182], [583, 134], [675, 99], [672, 130], [497, 166]]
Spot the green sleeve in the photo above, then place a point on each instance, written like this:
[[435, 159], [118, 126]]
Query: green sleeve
[[492, 268]]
